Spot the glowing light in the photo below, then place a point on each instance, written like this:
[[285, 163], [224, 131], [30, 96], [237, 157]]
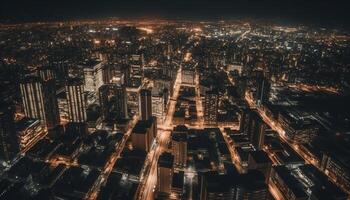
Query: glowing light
[[148, 30], [96, 41]]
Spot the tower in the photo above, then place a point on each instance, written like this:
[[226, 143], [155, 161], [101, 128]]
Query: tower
[[211, 101], [145, 104], [113, 101], [179, 145], [76, 100], [39, 100], [165, 172]]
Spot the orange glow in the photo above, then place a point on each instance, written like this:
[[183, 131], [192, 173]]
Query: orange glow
[[148, 30]]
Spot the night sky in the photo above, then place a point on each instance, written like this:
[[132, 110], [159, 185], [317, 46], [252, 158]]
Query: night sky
[[323, 11]]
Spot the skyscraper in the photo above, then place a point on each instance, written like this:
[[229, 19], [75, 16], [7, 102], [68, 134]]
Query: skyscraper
[[263, 88], [256, 131], [39, 100], [145, 104], [165, 172], [144, 133], [179, 145], [76, 100], [244, 119], [113, 101], [211, 101]]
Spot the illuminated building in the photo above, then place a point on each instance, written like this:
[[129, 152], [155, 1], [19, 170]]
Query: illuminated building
[[145, 104], [39, 100], [133, 98], [143, 133], [236, 66], [287, 184], [113, 101], [298, 128], [76, 100], [136, 65], [336, 165], [188, 76], [211, 101], [158, 107], [165, 172], [179, 145], [28, 132], [93, 75]]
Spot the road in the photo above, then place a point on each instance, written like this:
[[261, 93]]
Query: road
[[199, 105], [231, 148], [92, 194], [149, 180], [241, 37]]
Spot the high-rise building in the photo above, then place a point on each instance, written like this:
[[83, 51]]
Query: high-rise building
[[211, 101], [29, 131], [244, 118], [93, 75], [165, 172], [288, 185], [145, 104], [144, 133], [76, 100], [136, 64], [256, 131], [252, 186], [213, 186], [39, 100], [259, 160], [263, 88], [179, 145], [113, 101]]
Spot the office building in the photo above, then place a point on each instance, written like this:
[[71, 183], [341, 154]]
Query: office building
[[165, 172], [144, 133], [145, 104], [213, 186], [211, 101], [263, 88], [112, 99], [29, 131], [179, 145], [287, 184], [259, 160], [76, 100], [256, 131], [93, 75], [39, 100]]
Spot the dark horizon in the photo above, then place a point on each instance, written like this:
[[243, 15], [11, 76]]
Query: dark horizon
[[320, 12]]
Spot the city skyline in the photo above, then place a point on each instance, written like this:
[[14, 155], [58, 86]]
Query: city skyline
[[192, 107], [322, 12]]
